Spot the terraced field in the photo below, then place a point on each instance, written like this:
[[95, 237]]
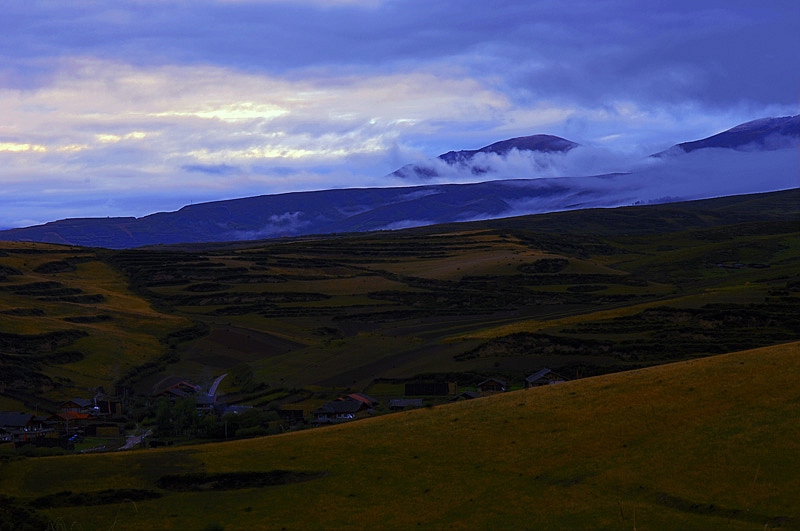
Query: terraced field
[[583, 293], [68, 321]]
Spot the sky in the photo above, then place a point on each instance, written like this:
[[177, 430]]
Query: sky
[[130, 107]]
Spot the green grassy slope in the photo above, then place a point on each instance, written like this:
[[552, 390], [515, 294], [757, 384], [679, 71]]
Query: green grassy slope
[[346, 311], [69, 323], [703, 444], [585, 292]]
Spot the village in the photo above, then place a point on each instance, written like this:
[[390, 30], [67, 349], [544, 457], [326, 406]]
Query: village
[[181, 410]]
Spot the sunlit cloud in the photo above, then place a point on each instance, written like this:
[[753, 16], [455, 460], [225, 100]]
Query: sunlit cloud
[[232, 112], [219, 115], [113, 139], [15, 147]]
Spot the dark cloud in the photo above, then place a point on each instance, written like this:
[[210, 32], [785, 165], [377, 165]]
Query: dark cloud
[[237, 97], [723, 51]]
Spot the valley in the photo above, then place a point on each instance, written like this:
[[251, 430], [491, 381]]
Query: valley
[[582, 293], [284, 327]]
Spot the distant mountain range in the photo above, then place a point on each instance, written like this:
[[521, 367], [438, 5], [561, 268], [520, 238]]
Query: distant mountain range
[[752, 157]]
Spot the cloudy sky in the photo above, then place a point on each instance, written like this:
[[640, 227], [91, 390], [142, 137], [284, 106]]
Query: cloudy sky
[[135, 106]]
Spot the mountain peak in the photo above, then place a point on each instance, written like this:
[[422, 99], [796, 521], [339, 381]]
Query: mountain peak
[[543, 143], [764, 134], [540, 143]]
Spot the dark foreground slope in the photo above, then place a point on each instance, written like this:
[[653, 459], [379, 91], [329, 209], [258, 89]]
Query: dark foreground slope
[[706, 444]]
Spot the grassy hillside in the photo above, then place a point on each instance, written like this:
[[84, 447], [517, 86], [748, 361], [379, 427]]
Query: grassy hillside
[[583, 293], [69, 323], [705, 444]]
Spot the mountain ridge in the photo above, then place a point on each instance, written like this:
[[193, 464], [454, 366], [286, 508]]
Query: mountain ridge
[[763, 166], [765, 134], [464, 158]]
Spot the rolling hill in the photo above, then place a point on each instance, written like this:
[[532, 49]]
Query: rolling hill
[[582, 292], [704, 444]]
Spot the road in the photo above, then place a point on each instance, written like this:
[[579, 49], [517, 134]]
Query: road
[[132, 440]]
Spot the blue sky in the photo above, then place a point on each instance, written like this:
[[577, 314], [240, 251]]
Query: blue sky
[[135, 106]]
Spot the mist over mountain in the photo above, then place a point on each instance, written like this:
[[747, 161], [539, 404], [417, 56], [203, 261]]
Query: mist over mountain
[[482, 161], [766, 134], [526, 175]]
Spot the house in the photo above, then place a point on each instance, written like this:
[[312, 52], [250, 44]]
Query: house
[[338, 411], [16, 426], [204, 402], [177, 389], [543, 377], [399, 404], [70, 421], [97, 406], [77, 405], [492, 386], [361, 397]]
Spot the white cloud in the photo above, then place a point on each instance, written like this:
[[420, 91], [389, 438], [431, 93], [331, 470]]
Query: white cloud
[[103, 131], [16, 147]]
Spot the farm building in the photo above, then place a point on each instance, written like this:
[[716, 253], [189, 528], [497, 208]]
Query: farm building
[[338, 411], [77, 405], [361, 397], [177, 390], [21, 427], [492, 386], [543, 377]]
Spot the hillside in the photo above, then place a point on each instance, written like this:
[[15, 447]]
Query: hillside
[[704, 444], [394, 306], [69, 322], [582, 293]]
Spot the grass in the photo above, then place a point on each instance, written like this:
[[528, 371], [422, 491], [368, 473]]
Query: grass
[[711, 443], [123, 328]]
